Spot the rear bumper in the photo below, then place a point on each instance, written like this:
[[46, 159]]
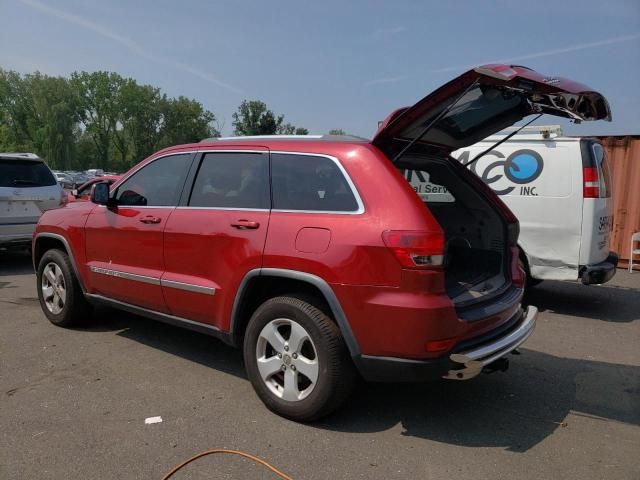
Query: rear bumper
[[461, 364], [470, 363], [600, 272], [16, 234]]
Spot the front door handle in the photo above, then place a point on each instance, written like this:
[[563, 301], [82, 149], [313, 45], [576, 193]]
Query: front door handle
[[150, 219], [245, 225]]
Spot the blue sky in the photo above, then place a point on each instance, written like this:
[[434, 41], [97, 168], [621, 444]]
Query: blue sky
[[332, 64]]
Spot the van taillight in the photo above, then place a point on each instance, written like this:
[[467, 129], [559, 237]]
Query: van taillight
[[416, 249], [591, 182]]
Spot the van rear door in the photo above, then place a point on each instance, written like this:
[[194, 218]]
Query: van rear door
[[597, 213]]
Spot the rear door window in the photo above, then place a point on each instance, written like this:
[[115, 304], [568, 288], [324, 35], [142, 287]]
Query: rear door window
[[232, 181], [25, 174], [157, 184], [310, 183], [604, 174]]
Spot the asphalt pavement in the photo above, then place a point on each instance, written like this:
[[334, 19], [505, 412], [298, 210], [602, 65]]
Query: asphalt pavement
[[73, 403]]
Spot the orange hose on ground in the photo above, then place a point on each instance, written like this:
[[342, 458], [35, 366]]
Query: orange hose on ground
[[230, 452]]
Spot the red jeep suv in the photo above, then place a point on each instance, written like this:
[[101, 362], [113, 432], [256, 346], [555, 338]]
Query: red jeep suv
[[314, 254]]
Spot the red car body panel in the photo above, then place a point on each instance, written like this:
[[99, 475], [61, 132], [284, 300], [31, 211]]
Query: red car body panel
[[203, 248], [118, 240]]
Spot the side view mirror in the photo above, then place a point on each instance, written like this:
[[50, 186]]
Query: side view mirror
[[100, 194]]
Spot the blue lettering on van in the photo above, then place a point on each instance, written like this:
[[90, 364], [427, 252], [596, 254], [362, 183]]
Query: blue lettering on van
[[521, 167]]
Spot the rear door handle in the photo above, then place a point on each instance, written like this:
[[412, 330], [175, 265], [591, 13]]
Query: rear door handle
[[150, 219], [245, 225]]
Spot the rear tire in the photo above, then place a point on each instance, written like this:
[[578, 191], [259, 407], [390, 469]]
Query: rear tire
[[297, 360], [59, 292]]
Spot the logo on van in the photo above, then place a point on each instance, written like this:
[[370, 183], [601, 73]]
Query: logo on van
[[521, 167]]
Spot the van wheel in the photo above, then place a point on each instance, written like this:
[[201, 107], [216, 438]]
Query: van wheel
[[297, 360], [59, 292]]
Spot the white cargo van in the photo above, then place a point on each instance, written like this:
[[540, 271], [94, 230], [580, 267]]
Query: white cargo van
[[559, 188]]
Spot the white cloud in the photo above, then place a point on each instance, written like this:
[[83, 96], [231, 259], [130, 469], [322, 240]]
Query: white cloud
[[548, 53], [131, 45]]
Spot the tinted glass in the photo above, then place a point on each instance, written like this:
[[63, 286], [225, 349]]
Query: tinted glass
[[232, 180], [604, 173], [305, 182], [480, 112], [156, 184], [21, 174]]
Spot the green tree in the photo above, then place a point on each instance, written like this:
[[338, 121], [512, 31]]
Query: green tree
[[337, 131], [39, 114], [185, 121], [138, 133], [100, 109], [254, 118], [97, 119]]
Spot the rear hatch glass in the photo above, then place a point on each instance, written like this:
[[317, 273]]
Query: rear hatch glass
[[25, 174]]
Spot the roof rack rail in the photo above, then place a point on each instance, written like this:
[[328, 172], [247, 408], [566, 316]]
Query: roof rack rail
[[260, 137], [346, 138], [547, 131]]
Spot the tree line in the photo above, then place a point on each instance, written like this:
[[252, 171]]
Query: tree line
[[104, 120]]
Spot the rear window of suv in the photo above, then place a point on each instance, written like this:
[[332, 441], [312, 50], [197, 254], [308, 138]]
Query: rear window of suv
[[25, 174], [310, 183]]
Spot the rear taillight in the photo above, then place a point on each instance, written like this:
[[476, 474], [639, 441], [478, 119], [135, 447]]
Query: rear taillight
[[518, 275], [416, 249], [591, 182]]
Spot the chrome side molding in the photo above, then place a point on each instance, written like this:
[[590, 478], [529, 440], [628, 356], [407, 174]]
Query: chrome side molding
[[189, 287]]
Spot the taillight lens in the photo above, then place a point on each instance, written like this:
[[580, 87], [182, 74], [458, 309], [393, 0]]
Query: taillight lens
[[518, 275], [591, 185], [416, 249]]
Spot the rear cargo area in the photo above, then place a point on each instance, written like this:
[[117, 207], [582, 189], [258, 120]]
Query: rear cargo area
[[475, 231]]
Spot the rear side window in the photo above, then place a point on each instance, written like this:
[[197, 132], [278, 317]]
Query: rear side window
[[310, 183], [157, 184], [232, 180], [23, 174], [604, 174]]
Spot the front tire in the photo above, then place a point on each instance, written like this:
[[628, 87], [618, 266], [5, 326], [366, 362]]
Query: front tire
[[59, 292], [296, 359]]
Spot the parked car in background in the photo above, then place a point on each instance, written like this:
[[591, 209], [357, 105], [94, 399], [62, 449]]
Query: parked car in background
[[83, 192], [27, 188], [313, 253], [95, 172], [65, 180], [79, 178]]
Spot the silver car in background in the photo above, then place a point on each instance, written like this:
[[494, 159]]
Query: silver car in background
[[27, 188]]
